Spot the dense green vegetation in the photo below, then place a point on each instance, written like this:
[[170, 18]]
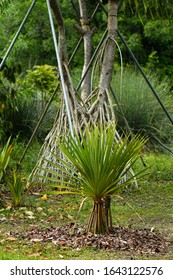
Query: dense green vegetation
[[147, 32]]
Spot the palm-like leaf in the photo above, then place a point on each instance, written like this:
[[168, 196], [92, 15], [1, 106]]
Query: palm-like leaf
[[5, 157], [95, 167], [101, 162]]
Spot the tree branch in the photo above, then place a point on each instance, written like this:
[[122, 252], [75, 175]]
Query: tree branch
[[79, 29]]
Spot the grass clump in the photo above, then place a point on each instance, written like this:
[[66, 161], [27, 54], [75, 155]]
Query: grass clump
[[141, 108]]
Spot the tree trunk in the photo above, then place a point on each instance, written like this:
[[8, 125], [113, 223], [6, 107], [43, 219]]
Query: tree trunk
[[109, 52], [87, 39], [98, 109], [102, 110], [97, 222], [87, 34], [61, 29], [60, 126]]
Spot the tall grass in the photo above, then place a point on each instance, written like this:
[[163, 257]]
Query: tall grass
[[26, 117], [141, 108]]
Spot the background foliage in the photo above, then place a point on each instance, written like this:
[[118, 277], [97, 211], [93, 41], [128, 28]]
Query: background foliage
[[148, 31]]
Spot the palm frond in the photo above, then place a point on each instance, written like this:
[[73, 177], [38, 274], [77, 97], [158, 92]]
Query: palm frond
[[95, 163]]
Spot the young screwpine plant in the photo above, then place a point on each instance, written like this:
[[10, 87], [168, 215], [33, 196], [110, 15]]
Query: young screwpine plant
[[95, 166], [15, 185]]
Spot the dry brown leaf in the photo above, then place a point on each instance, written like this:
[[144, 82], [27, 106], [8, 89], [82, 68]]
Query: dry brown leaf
[[11, 238]]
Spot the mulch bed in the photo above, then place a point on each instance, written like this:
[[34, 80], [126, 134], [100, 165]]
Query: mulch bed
[[142, 241]]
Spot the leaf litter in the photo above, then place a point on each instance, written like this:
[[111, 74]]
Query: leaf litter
[[141, 241]]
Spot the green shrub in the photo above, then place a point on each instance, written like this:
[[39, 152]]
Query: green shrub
[[23, 101]]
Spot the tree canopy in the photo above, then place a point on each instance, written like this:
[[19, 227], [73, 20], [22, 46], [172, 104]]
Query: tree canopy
[[146, 26]]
